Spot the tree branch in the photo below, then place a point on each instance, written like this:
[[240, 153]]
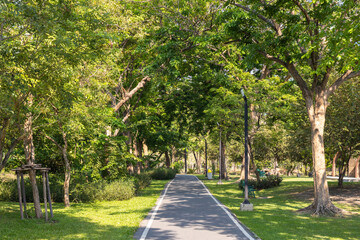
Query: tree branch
[[51, 139], [272, 58], [11, 149], [272, 24], [307, 17], [346, 76], [14, 36], [129, 95]]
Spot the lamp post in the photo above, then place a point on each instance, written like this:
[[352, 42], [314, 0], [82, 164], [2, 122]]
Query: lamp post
[[246, 205], [219, 182]]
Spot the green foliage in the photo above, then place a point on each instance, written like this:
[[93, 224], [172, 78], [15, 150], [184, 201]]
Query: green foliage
[[99, 220], [163, 173], [103, 191], [276, 209], [191, 171], [142, 180], [178, 166], [7, 190], [116, 191], [264, 183]]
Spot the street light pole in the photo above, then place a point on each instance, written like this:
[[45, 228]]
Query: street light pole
[[246, 205]]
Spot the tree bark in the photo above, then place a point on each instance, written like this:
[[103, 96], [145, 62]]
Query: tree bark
[[29, 150], [251, 157], [223, 161], [67, 179], [357, 167], [322, 204], [167, 159], [333, 173]]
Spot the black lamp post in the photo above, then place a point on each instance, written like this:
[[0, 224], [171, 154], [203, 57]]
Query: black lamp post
[[246, 205]]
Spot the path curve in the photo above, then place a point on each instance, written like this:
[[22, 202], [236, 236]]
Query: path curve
[[187, 210]]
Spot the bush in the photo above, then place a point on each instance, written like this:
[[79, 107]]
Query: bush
[[142, 180], [163, 173], [103, 191], [86, 192], [264, 183], [116, 191], [9, 191], [178, 166]]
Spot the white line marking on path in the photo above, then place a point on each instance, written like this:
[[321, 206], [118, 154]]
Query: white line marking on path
[[227, 212], [148, 226]]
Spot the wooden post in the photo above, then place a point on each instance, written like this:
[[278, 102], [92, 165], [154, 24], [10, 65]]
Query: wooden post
[[23, 192], [44, 191], [19, 191], [49, 195]]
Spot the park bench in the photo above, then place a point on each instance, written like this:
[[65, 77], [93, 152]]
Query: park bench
[[251, 189]]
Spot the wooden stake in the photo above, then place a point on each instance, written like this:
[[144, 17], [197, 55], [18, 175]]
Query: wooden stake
[[23, 192], [49, 195], [19, 191], [45, 198]]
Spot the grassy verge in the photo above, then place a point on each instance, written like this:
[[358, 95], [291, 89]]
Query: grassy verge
[[274, 214], [101, 220]]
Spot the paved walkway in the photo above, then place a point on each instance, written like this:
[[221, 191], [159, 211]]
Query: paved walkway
[[187, 210]]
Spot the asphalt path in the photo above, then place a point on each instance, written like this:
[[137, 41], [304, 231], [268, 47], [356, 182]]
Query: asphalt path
[[187, 210]]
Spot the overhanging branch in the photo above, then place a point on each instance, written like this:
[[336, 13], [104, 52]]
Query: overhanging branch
[[346, 76]]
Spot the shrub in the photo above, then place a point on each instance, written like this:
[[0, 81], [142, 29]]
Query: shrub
[[116, 191], [142, 180], [9, 191], [191, 171], [163, 173], [178, 166], [264, 183], [103, 191], [86, 192]]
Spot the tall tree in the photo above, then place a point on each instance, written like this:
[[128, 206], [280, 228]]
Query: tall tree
[[312, 41]]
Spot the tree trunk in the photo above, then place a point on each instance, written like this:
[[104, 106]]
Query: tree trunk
[[146, 152], [29, 150], [167, 159], [223, 160], [357, 167], [251, 157], [322, 204], [185, 158], [333, 173], [67, 178]]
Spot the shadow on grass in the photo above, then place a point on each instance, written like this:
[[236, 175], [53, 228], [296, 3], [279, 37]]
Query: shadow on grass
[[102, 220], [65, 227], [275, 218]]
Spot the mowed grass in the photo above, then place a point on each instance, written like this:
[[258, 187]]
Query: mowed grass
[[275, 217], [100, 220]]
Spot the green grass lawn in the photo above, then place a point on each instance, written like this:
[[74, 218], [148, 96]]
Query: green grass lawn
[[101, 220], [275, 217]]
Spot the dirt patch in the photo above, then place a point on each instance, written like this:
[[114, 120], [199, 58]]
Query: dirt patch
[[347, 195]]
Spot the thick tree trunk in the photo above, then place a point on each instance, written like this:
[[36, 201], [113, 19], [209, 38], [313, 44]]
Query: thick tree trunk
[[333, 173], [29, 150], [322, 204]]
